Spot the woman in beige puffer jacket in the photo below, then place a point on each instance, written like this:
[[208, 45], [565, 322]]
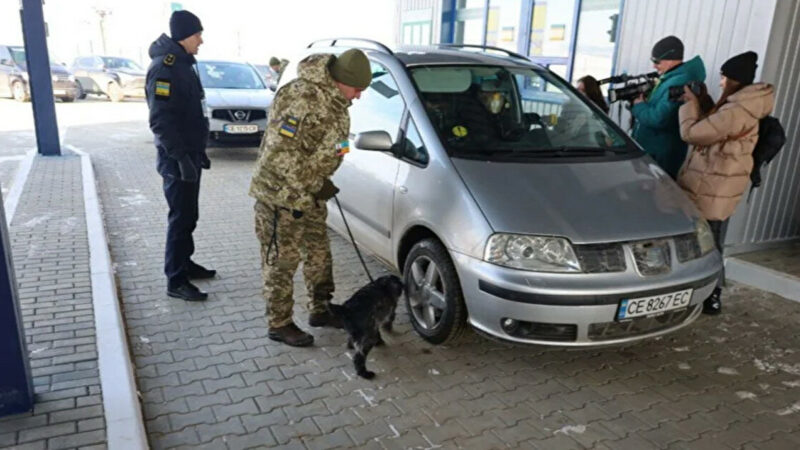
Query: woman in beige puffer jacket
[[717, 169]]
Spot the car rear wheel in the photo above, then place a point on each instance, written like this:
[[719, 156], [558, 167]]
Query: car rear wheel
[[433, 293], [18, 90], [115, 92], [81, 92]]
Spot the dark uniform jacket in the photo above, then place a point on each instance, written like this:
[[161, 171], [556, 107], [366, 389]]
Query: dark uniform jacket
[[175, 98]]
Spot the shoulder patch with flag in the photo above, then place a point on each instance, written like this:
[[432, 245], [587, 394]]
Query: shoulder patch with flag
[[289, 127], [162, 89], [342, 148]]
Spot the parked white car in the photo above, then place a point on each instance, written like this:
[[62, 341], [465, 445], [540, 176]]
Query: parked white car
[[237, 102]]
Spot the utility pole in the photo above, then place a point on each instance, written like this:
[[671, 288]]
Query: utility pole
[[103, 13]]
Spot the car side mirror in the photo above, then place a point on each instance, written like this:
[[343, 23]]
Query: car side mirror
[[378, 140]]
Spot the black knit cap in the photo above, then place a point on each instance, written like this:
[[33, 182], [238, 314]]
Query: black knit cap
[[670, 48], [183, 24], [741, 68]]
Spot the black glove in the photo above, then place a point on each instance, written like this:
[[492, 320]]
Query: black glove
[[187, 168], [327, 191], [205, 163]]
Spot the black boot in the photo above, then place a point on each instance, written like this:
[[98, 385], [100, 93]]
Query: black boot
[[187, 291], [325, 319], [713, 304], [197, 272], [291, 335]]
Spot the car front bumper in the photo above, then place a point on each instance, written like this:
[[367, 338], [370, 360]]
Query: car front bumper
[[578, 309]]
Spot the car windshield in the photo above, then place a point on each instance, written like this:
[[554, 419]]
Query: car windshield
[[120, 63], [18, 54], [487, 110], [227, 75]]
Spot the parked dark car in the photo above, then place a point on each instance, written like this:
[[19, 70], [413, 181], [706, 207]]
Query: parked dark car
[[114, 77], [14, 77]]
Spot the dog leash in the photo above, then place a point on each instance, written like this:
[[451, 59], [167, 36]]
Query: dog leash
[[358, 252]]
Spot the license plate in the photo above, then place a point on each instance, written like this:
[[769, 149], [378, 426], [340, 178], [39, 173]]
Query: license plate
[[240, 129], [654, 305], [59, 91]]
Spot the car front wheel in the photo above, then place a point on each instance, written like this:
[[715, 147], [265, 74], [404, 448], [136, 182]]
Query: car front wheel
[[18, 90], [115, 92], [433, 293]]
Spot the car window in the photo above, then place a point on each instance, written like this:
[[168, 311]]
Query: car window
[[414, 149], [120, 63], [380, 107], [4, 55], [17, 54], [229, 75], [511, 111]]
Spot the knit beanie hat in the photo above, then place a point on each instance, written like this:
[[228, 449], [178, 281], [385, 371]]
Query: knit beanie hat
[[670, 48], [274, 61], [352, 68], [741, 68], [183, 24]]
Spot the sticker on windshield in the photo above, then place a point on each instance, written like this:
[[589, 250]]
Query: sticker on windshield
[[459, 131]]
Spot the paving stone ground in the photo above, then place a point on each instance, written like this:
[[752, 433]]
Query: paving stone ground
[[51, 259], [210, 378]]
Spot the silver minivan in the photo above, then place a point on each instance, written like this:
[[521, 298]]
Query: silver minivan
[[510, 203]]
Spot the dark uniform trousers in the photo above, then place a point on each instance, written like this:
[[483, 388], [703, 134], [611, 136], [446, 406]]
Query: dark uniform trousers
[[182, 199]]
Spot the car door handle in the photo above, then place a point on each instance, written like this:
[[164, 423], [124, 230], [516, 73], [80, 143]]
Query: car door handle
[[403, 189]]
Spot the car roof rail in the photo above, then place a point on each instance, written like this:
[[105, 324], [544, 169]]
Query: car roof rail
[[487, 47], [332, 43]]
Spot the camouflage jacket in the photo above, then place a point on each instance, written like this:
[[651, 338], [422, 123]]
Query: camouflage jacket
[[306, 138]]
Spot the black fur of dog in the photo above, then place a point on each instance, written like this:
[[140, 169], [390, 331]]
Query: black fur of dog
[[369, 309]]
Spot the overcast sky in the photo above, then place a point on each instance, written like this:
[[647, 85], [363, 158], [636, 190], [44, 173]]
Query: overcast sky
[[251, 30]]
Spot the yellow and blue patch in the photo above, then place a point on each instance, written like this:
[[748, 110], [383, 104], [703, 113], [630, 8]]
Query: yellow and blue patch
[[343, 148], [289, 127], [162, 89]]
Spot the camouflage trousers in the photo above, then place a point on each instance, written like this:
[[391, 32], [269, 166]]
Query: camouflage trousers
[[285, 241]]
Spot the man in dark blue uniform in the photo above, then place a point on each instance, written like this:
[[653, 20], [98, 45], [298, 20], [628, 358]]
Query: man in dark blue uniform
[[175, 98]]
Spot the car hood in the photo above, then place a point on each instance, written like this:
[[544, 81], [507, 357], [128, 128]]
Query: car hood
[[130, 72], [238, 98], [586, 202]]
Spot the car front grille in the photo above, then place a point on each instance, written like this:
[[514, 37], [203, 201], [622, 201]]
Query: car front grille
[[687, 247], [639, 326], [247, 115], [652, 257], [601, 258]]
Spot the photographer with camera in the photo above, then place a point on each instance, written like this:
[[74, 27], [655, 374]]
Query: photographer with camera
[[722, 140], [656, 128]]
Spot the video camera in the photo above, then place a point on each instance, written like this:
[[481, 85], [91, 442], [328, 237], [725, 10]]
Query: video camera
[[632, 86], [675, 92]]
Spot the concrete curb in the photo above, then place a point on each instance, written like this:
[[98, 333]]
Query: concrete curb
[[19, 184], [124, 423], [763, 278]]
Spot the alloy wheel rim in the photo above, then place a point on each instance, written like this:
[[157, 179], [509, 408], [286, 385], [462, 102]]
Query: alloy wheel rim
[[426, 294]]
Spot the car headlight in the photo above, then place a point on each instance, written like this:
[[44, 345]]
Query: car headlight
[[705, 238], [71, 78], [25, 76], [536, 253]]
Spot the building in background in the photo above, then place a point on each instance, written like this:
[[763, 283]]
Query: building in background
[[603, 37]]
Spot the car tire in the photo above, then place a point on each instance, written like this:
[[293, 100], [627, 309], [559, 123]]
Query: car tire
[[81, 92], [434, 299], [115, 92], [18, 91]]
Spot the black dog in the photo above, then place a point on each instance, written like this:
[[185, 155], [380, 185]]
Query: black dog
[[369, 308]]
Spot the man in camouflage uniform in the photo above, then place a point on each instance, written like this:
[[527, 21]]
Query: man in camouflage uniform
[[306, 138]]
